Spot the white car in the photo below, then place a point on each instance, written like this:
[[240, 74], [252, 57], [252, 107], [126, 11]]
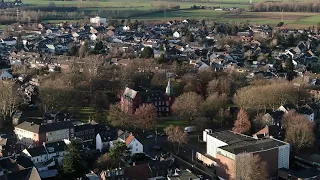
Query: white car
[[149, 136]]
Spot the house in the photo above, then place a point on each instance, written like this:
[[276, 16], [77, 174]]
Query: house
[[307, 112], [93, 37], [273, 118], [287, 107], [133, 144], [176, 34], [315, 109], [226, 146], [126, 28], [25, 174], [36, 154], [29, 133], [85, 132], [98, 20], [130, 100], [46, 155], [268, 131], [5, 75], [9, 41], [104, 136]]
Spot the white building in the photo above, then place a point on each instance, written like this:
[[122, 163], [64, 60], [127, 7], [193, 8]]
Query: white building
[[98, 20], [226, 147], [44, 156], [176, 34]]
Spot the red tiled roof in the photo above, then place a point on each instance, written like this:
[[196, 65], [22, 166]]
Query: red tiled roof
[[129, 139]]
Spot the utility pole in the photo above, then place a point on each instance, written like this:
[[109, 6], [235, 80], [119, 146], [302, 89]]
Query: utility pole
[[282, 16], [192, 156]]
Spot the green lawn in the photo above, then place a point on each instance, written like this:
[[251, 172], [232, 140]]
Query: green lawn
[[165, 122]]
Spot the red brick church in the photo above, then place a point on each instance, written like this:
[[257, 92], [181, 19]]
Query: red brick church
[[132, 99]]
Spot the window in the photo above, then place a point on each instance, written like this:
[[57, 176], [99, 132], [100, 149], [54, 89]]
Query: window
[[167, 103], [136, 144], [137, 150]]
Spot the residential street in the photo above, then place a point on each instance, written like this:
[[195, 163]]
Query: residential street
[[185, 157]]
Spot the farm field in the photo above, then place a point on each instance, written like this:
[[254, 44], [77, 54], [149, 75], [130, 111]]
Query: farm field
[[201, 14], [291, 19]]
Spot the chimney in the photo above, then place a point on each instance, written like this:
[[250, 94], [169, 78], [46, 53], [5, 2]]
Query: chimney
[[134, 164]]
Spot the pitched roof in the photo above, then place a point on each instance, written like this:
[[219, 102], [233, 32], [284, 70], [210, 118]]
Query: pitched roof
[[28, 126], [36, 151], [57, 146], [130, 93], [138, 172], [129, 139], [26, 174]]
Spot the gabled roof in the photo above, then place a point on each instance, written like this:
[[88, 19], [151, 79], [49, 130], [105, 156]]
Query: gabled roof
[[289, 107], [130, 93], [138, 172], [26, 174], [36, 151], [129, 139], [305, 110], [57, 146]]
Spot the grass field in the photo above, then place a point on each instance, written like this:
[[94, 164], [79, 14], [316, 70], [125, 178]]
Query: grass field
[[181, 14], [165, 122], [291, 19]]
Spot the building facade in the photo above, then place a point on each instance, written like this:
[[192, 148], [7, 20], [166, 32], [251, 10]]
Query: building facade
[[226, 147], [29, 133], [132, 99]]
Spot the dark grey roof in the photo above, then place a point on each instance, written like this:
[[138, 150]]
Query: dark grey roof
[[314, 106], [290, 107], [24, 161], [26, 174], [37, 151], [57, 146], [84, 127], [238, 143], [305, 110], [55, 126]]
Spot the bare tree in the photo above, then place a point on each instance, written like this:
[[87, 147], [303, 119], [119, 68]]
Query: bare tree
[[146, 116], [105, 162], [118, 118], [242, 124], [299, 130], [187, 106], [9, 98], [176, 135], [214, 106], [250, 167]]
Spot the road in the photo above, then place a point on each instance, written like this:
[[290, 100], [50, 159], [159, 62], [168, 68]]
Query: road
[[186, 155]]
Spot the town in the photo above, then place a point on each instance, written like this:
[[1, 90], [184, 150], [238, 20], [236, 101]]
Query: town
[[184, 99]]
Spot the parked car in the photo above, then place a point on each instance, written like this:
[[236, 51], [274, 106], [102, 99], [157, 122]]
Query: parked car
[[157, 148], [161, 134], [149, 136], [190, 129]]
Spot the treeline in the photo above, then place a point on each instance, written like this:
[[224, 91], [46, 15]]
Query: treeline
[[286, 7], [208, 1]]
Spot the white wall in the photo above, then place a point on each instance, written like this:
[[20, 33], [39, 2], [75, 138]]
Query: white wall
[[41, 158], [135, 146], [213, 144], [283, 156], [24, 137]]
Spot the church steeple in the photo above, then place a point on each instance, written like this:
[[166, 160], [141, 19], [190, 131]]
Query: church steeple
[[169, 89]]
